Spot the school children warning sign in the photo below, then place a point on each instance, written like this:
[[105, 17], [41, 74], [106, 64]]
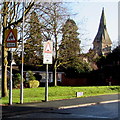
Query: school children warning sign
[[48, 46], [11, 38], [47, 52]]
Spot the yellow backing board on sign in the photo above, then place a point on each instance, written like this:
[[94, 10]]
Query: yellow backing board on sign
[[11, 38]]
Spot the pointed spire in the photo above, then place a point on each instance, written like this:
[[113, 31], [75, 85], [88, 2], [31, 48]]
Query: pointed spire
[[102, 36], [102, 30], [103, 20]]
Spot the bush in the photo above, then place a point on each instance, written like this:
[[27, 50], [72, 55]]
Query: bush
[[33, 83], [30, 75]]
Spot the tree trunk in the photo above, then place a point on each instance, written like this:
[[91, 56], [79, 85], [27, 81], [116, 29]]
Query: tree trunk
[[54, 75], [4, 54], [4, 69], [55, 58], [4, 82]]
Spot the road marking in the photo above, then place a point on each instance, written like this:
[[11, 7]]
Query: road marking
[[90, 116], [111, 101], [89, 104]]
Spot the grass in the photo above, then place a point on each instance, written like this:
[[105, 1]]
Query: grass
[[60, 92]]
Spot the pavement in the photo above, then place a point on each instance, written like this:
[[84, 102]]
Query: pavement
[[16, 109]]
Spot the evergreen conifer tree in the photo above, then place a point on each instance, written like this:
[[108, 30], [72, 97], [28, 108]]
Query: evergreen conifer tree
[[33, 46], [70, 44]]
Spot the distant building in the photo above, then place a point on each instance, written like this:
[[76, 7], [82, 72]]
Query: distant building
[[42, 76], [102, 43]]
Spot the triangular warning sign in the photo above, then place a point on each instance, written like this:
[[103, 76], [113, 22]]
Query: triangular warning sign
[[48, 48], [11, 37]]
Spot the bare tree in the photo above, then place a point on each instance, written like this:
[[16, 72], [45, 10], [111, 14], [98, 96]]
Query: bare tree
[[12, 16], [52, 16]]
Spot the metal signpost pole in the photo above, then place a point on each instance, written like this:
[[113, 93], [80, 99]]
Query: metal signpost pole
[[10, 83], [47, 59], [21, 84], [10, 42], [46, 84]]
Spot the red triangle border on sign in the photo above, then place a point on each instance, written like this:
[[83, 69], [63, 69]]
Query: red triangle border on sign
[[46, 47], [13, 35]]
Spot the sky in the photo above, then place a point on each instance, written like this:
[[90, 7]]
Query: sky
[[87, 16], [87, 13]]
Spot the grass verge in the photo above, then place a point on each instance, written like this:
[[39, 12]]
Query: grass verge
[[60, 92]]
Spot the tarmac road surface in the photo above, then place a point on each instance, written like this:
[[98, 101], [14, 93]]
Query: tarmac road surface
[[107, 111], [90, 108]]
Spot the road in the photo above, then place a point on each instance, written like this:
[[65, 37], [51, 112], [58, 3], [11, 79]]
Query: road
[[106, 111]]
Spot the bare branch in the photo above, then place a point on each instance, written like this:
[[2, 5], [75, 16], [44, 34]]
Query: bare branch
[[20, 20]]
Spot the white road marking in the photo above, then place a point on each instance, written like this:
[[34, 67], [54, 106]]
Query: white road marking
[[89, 104]]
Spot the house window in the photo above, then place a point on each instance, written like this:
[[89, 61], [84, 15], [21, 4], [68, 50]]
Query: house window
[[59, 77], [50, 77], [43, 74]]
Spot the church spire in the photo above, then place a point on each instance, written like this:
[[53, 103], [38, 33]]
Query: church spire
[[102, 38], [103, 20], [102, 25]]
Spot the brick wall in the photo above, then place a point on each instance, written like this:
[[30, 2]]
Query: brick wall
[[74, 81]]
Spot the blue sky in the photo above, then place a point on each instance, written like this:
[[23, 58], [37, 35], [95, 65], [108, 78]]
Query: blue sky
[[87, 18], [88, 13]]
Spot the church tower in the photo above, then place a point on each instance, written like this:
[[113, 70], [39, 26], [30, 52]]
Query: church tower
[[102, 43]]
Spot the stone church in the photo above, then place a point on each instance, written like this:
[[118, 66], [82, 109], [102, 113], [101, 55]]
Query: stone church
[[102, 42]]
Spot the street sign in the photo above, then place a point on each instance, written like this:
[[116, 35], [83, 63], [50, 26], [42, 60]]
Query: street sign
[[11, 38], [47, 52], [47, 59], [48, 46]]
